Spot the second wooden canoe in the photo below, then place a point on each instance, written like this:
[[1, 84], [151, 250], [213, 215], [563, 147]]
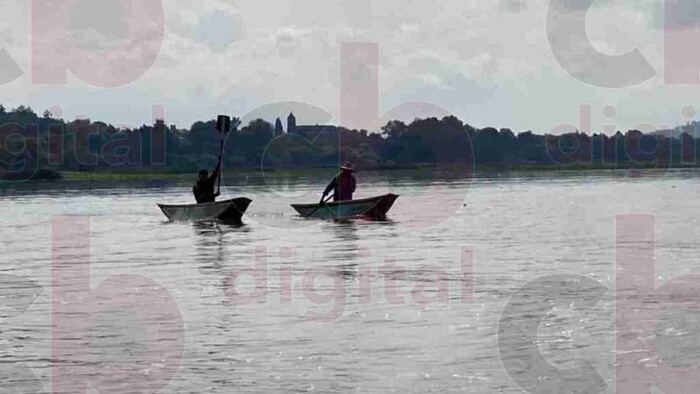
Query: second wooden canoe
[[374, 208]]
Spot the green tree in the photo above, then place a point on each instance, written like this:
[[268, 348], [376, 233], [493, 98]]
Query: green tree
[[24, 110], [279, 130]]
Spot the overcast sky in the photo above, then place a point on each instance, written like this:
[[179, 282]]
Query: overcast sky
[[489, 62]]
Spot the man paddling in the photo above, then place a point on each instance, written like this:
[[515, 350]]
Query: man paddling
[[342, 185], [204, 188]]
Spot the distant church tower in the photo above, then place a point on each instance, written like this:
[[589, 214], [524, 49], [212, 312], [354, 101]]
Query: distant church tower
[[291, 123], [278, 127]]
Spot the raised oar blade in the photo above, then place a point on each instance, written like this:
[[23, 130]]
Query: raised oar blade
[[223, 123]]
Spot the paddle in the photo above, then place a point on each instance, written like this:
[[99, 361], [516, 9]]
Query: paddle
[[323, 202], [223, 124]]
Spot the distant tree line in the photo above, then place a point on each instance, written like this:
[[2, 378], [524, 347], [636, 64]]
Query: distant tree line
[[33, 144]]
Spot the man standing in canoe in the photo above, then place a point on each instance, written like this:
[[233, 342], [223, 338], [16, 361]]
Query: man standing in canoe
[[342, 185], [204, 188]]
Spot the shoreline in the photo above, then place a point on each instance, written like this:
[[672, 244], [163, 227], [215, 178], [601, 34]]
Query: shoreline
[[477, 171]]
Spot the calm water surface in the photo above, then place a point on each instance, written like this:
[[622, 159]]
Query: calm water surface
[[284, 304]]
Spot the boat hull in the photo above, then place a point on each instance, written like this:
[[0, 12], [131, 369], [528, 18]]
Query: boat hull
[[374, 208], [229, 210]]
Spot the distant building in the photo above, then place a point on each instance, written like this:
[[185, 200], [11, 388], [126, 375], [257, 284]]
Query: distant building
[[291, 123], [309, 131]]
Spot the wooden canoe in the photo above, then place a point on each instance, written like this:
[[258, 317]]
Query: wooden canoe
[[229, 210], [374, 208]]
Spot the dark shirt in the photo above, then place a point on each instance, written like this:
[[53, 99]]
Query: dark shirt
[[204, 189], [343, 185]]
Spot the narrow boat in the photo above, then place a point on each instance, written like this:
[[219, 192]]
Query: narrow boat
[[229, 210], [374, 208]]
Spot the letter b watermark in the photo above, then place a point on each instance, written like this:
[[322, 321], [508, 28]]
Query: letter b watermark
[[103, 43], [124, 335], [657, 326]]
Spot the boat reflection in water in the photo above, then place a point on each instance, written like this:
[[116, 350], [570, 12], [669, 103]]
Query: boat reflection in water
[[213, 243], [344, 248]]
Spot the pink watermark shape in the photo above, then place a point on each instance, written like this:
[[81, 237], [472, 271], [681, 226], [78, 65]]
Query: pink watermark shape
[[657, 323], [642, 147], [21, 149], [137, 311], [518, 331], [326, 304], [14, 145], [360, 109], [63, 39], [359, 99], [573, 49], [681, 34]]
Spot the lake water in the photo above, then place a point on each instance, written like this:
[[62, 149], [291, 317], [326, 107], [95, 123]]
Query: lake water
[[498, 283]]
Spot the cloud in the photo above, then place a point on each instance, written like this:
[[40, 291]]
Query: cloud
[[219, 30], [488, 62], [98, 27], [514, 5]]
